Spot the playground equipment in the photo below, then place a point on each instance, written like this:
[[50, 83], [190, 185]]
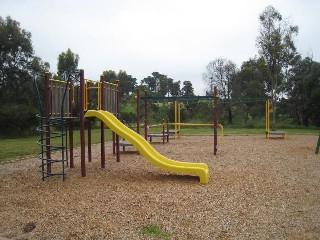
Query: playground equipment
[[269, 133], [177, 115], [240, 101], [164, 135], [96, 99], [146, 150], [55, 115], [177, 123], [97, 95]]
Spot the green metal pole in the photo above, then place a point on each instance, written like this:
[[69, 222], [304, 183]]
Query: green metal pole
[[318, 145]]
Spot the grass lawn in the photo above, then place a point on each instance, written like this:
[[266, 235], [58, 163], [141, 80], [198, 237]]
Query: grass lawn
[[24, 147]]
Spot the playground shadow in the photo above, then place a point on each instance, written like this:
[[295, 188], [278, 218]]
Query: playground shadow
[[159, 177]]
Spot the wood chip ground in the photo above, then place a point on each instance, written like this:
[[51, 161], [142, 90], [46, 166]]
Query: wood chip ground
[[258, 189]]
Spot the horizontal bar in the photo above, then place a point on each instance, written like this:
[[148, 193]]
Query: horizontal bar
[[94, 81], [58, 81], [205, 97]]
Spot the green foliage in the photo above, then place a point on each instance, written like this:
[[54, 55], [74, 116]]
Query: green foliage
[[17, 119], [159, 111], [18, 70], [304, 93], [128, 113], [276, 46], [16, 61], [127, 82], [251, 80], [221, 73], [187, 89], [67, 64], [156, 231], [278, 70], [160, 85]]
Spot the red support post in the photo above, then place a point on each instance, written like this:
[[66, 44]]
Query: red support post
[[102, 107], [48, 114], [145, 115], [163, 132], [118, 116], [215, 116], [89, 122], [82, 137], [138, 110], [113, 143], [71, 122], [168, 136]]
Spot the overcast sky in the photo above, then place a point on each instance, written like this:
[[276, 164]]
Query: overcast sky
[[177, 38]]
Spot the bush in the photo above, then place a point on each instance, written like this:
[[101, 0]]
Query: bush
[[17, 120]]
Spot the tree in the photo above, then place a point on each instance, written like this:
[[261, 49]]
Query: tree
[[251, 80], [18, 66], [67, 64], [160, 85], [175, 89], [15, 56], [110, 76], [276, 45], [150, 83], [221, 72], [157, 83], [303, 90], [127, 82], [187, 89]]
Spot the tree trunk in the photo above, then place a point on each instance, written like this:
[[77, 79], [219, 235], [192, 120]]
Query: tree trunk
[[273, 101], [273, 124], [229, 115]]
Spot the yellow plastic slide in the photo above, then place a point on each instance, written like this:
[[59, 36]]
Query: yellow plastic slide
[[146, 150]]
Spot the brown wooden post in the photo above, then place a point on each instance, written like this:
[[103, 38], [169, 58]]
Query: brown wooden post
[[71, 122], [163, 132], [82, 135], [168, 132], [89, 121], [113, 143], [102, 107], [48, 115], [145, 115], [138, 110], [215, 120], [118, 116]]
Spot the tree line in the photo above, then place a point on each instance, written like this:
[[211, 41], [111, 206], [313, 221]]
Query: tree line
[[278, 72], [20, 68]]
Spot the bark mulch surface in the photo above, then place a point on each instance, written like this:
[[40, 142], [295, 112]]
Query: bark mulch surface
[[258, 189]]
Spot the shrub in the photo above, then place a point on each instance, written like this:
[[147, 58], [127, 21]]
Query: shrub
[[17, 120]]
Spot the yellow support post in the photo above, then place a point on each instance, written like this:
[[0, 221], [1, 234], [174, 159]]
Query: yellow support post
[[179, 120], [222, 132], [85, 96]]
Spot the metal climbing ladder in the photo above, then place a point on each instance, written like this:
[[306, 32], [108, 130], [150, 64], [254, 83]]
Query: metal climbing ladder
[[53, 144], [54, 117]]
